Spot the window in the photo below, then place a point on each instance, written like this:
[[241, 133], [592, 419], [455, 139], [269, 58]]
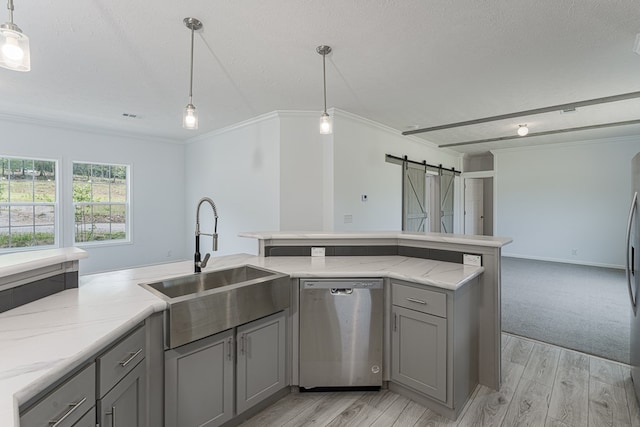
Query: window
[[101, 202], [28, 203]]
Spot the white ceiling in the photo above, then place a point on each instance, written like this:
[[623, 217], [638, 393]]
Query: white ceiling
[[402, 63]]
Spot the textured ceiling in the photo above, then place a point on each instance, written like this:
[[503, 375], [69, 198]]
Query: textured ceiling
[[403, 63]]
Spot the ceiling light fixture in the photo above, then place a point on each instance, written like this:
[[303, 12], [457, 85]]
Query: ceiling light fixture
[[190, 116], [14, 50], [523, 130], [326, 127]]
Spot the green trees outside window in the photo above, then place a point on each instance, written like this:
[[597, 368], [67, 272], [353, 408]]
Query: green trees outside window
[[100, 202], [28, 205]]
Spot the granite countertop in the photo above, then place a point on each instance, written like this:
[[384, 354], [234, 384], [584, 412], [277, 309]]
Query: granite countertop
[[48, 338]]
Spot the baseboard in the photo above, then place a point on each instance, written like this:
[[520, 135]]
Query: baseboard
[[564, 261]]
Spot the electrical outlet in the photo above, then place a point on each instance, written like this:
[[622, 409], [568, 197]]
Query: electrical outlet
[[348, 219], [317, 251], [472, 260]]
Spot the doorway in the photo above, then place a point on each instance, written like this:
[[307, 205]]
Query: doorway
[[478, 205]]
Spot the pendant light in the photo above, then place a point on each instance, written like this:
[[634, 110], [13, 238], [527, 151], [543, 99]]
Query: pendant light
[[14, 45], [190, 116], [326, 127]]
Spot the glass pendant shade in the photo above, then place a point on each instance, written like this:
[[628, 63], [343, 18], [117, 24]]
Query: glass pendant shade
[[326, 125], [190, 117], [14, 48]]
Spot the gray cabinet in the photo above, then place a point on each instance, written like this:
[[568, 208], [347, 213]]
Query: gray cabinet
[[434, 344], [261, 360], [112, 390], [199, 377], [125, 405], [199, 382], [122, 376], [66, 404], [419, 352]]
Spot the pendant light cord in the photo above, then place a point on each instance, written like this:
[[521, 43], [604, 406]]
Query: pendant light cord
[[324, 81], [10, 7], [191, 79]]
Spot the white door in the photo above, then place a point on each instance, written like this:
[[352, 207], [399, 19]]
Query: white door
[[473, 206]]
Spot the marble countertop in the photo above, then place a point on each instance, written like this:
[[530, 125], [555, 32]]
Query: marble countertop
[[19, 262], [462, 239], [46, 339]]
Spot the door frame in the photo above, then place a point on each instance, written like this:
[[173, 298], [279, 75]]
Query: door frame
[[479, 174]]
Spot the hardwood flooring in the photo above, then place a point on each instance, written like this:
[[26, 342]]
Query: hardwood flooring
[[542, 385]]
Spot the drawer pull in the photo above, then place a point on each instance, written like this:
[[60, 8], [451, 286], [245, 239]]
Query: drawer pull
[[131, 357], [72, 408], [418, 301]]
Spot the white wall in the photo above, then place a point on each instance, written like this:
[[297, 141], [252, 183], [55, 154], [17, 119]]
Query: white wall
[[239, 168], [157, 173], [302, 172], [359, 150], [555, 199]]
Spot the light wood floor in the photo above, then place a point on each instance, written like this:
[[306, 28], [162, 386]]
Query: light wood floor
[[542, 385]]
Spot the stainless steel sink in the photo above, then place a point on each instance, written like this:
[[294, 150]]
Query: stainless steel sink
[[203, 304]]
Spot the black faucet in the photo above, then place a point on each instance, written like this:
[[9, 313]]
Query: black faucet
[[199, 265]]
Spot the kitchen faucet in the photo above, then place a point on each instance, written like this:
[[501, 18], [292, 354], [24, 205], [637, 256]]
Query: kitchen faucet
[[199, 265]]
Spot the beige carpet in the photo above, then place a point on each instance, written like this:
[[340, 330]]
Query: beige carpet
[[578, 307]]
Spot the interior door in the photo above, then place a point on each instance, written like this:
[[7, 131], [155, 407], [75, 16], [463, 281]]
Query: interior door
[[414, 200], [474, 206], [446, 201]]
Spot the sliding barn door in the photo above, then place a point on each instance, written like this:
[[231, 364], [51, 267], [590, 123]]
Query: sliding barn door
[[414, 200]]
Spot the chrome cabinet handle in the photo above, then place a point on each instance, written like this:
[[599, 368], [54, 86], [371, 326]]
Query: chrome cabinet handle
[[419, 301], [72, 408], [229, 344], [113, 416], [131, 357], [627, 267], [242, 344], [395, 322]]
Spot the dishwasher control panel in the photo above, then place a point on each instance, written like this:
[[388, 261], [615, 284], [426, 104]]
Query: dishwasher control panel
[[342, 284]]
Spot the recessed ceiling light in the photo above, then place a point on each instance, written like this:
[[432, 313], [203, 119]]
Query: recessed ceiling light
[[523, 130]]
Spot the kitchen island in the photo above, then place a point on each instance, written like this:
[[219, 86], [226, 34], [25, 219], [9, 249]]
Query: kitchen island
[[47, 339]]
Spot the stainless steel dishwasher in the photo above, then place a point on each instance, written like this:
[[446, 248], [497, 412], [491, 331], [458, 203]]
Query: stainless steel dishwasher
[[341, 333]]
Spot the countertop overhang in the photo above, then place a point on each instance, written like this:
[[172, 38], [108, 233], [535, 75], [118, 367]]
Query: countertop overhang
[[388, 236]]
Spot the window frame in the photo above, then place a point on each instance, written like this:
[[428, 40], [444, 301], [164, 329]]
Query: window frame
[[127, 205], [57, 221]]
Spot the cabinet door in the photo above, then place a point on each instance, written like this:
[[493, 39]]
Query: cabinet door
[[419, 352], [125, 404], [261, 360], [199, 382]]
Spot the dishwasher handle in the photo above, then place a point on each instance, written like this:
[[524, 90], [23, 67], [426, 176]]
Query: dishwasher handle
[[341, 291]]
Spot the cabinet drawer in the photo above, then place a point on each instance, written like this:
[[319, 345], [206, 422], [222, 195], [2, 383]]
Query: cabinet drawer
[[424, 300], [66, 404], [120, 360]]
